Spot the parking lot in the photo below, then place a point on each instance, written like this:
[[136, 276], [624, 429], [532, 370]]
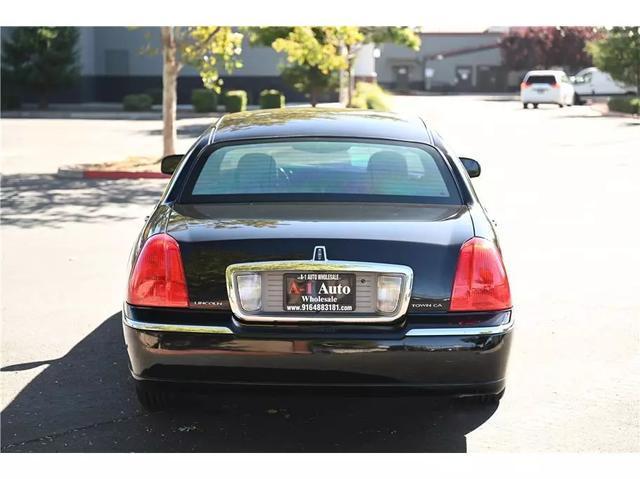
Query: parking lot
[[561, 185]]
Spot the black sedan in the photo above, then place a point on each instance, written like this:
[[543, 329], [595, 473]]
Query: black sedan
[[318, 247]]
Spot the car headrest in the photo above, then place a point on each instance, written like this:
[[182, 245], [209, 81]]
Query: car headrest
[[385, 163], [255, 171]]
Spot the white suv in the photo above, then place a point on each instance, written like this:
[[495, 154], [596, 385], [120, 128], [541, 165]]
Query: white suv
[[546, 86]]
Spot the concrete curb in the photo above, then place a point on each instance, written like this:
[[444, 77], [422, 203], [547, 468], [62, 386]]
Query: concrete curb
[[74, 173], [620, 114], [106, 115], [604, 110]]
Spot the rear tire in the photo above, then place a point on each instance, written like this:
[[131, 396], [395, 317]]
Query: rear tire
[[525, 105], [560, 105], [154, 397], [535, 105]]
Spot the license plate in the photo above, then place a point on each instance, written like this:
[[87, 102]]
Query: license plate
[[540, 90], [320, 292]]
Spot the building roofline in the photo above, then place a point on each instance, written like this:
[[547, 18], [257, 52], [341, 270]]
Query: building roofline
[[462, 51]]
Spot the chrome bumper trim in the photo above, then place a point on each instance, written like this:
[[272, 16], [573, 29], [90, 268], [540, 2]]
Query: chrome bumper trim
[[192, 328], [331, 266], [176, 328], [481, 331]]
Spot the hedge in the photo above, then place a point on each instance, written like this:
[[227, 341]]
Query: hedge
[[141, 102], [271, 99], [625, 104], [235, 100], [371, 96], [204, 100]]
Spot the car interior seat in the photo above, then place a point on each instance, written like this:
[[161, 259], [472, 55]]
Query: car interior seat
[[255, 172], [388, 172]]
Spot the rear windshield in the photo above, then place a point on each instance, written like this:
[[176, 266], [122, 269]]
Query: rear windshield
[[548, 79], [323, 170]]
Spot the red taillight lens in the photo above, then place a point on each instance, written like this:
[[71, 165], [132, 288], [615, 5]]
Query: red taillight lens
[[523, 85], [481, 282], [555, 85], [158, 276]]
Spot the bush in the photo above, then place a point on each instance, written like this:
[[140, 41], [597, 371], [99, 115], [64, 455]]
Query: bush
[[140, 102], [204, 100], [271, 99], [155, 94], [625, 105], [235, 100], [370, 96]]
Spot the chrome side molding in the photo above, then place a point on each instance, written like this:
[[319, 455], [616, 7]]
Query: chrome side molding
[[457, 331], [176, 328], [324, 266]]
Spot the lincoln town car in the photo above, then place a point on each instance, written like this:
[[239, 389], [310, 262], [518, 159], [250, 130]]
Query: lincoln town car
[[317, 247]]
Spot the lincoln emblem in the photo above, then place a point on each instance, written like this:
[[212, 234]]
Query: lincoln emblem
[[319, 253]]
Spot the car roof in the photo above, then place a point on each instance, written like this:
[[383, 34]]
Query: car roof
[[320, 122], [587, 70], [545, 72]]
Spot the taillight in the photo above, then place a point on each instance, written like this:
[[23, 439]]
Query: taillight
[[523, 85], [555, 85], [480, 282], [158, 276]]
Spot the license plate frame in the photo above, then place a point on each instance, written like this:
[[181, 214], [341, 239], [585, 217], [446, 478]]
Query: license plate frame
[[325, 292]]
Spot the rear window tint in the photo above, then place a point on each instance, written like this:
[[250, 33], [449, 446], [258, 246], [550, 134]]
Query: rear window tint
[[324, 168], [548, 79]]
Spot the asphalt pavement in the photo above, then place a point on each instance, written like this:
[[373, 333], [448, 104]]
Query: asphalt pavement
[[560, 183]]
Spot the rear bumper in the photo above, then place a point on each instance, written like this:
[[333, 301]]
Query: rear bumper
[[549, 96], [456, 360]]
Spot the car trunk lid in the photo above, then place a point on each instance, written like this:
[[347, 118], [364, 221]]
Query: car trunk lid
[[425, 237]]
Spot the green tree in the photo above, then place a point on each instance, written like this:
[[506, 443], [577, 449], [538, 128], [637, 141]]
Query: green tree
[[41, 59], [313, 56], [208, 49], [356, 37], [310, 79], [313, 51], [326, 51], [618, 53]]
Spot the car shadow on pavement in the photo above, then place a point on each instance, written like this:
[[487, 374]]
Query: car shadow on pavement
[[48, 200], [503, 98], [85, 402]]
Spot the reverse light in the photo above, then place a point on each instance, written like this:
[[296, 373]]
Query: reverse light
[[250, 291], [158, 276], [481, 282], [389, 288]]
